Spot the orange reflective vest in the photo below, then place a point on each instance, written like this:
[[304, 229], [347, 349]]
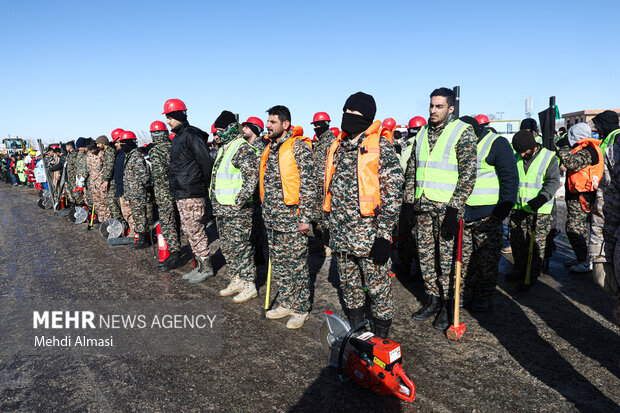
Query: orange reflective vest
[[289, 173], [587, 179], [367, 172]]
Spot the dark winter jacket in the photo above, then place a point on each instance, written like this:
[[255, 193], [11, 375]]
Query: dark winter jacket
[[119, 172], [190, 167]]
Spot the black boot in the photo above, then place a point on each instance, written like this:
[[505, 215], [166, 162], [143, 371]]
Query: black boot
[[356, 316], [382, 327], [173, 261], [442, 322], [430, 309], [142, 242]]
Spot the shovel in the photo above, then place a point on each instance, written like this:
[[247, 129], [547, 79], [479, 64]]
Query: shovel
[[530, 255], [268, 292], [92, 218], [456, 330]]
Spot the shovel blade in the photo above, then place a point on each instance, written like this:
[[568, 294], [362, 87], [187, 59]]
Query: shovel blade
[[456, 332]]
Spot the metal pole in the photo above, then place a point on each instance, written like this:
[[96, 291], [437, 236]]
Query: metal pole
[[457, 100]]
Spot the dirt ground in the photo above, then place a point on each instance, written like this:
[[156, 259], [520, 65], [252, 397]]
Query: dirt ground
[[554, 348]]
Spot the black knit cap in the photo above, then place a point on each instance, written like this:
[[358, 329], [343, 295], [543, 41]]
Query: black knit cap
[[179, 115], [225, 119], [523, 141], [529, 123], [363, 103], [606, 122]]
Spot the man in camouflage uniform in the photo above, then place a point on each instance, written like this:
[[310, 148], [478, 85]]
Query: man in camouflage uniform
[[83, 195], [94, 160], [360, 238], [136, 180], [107, 174], [604, 246], [70, 171], [532, 213], [440, 176], [288, 224], [168, 221], [578, 204], [233, 183]]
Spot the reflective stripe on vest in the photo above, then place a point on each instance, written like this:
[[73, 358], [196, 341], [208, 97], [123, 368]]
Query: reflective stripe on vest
[[289, 173], [609, 139], [228, 178], [368, 154], [437, 172], [530, 184], [486, 189]]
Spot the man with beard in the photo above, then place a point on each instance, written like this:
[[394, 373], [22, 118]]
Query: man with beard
[[363, 193], [190, 175], [233, 182], [94, 160], [441, 175], [539, 179], [287, 188]]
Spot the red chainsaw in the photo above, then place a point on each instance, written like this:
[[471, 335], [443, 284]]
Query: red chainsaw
[[372, 362]]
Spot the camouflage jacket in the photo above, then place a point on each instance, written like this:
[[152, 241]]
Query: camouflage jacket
[[160, 161], [277, 215], [466, 155], [94, 164], [71, 164], [573, 162], [81, 170], [246, 160], [136, 178], [350, 231], [107, 171], [605, 228], [320, 158]]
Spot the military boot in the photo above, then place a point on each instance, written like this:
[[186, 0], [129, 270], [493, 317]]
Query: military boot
[[142, 242], [442, 321], [430, 309], [356, 316], [203, 270], [382, 327], [172, 262]]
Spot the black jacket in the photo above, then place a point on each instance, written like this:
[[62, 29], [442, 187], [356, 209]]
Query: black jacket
[[60, 164], [190, 167]]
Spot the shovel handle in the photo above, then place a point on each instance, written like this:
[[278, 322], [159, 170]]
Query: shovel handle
[[268, 292], [457, 280]]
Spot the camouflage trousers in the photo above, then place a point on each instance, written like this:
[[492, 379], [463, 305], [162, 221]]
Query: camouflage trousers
[[357, 272], [126, 213], [520, 241], [436, 255], [169, 223], [101, 206], [577, 228], [288, 252], [482, 246], [113, 201], [192, 213], [237, 246], [407, 247], [138, 212]]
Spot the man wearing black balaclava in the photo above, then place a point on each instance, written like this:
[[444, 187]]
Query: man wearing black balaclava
[[531, 125], [189, 174], [362, 201], [606, 124]]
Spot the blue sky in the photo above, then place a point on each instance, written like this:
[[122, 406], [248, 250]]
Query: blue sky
[[76, 68]]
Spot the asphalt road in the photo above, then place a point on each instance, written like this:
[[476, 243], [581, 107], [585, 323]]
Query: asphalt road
[[554, 348]]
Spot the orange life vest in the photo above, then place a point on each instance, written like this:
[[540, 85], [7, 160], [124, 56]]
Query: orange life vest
[[367, 172], [388, 134], [289, 173], [587, 179]]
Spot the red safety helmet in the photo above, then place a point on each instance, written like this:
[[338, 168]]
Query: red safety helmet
[[213, 130], [319, 116], [482, 119], [54, 146], [116, 133], [158, 126], [255, 121], [128, 135], [416, 122], [389, 123], [173, 105], [172, 135], [335, 130]]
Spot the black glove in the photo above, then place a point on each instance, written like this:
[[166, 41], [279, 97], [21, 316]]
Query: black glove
[[380, 251], [502, 210], [325, 237], [450, 224], [518, 215], [537, 202], [409, 217]]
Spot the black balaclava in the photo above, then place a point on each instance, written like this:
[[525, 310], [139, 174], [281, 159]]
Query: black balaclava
[[353, 124], [320, 127], [529, 123], [605, 122], [365, 104], [224, 120], [179, 115], [128, 145], [254, 128]]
